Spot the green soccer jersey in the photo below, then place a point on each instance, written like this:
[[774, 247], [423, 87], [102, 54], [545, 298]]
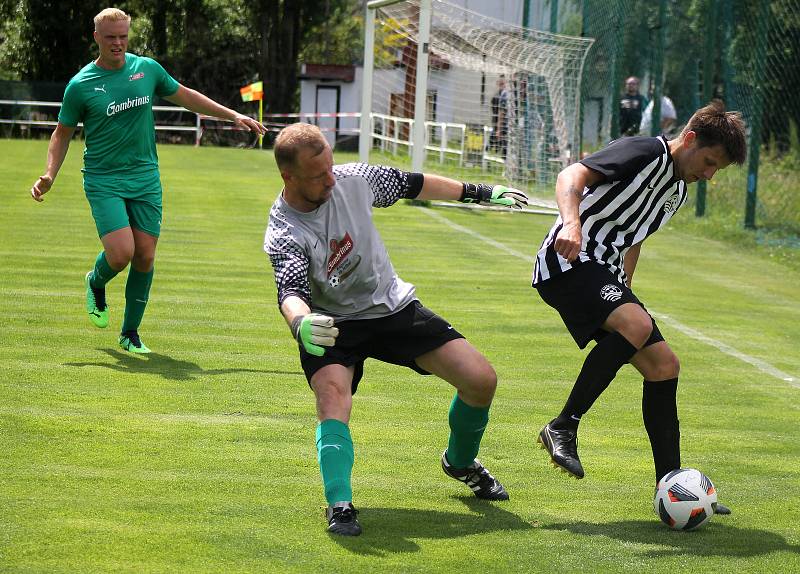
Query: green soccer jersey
[[116, 108]]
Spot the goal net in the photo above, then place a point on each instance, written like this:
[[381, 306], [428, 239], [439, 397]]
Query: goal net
[[500, 100]]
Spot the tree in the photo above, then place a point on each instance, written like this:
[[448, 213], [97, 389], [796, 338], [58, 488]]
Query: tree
[[283, 27], [339, 39], [46, 44], [210, 45]]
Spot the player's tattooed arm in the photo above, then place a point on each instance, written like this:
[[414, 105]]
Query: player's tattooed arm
[[571, 196], [568, 197], [569, 192]]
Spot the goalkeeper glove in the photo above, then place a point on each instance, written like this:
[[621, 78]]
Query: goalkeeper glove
[[494, 194], [313, 330]]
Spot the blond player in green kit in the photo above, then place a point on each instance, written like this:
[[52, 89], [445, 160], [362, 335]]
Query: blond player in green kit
[[113, 97]]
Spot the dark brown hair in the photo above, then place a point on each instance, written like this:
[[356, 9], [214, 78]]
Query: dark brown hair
[[292, 139], [714, 126]]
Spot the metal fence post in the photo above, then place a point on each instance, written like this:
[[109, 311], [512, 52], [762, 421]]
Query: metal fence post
[[759, 63]]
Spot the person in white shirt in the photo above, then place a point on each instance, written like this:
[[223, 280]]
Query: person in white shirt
[[669, 117]]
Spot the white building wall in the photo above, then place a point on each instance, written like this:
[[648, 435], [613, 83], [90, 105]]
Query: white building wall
[[459, 98], [511, 11], [349, 100]]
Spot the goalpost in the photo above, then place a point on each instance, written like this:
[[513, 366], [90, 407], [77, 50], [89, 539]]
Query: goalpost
[[465, 94]]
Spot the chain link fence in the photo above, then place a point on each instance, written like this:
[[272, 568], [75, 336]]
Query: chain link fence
[[744, 52]]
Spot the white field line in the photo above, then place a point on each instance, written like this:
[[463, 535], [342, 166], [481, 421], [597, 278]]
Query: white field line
[[762, 366]]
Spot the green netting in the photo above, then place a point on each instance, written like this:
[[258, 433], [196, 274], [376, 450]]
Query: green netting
[[745, 52]]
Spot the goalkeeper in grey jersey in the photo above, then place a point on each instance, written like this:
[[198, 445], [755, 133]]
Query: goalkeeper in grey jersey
[[344, 303]]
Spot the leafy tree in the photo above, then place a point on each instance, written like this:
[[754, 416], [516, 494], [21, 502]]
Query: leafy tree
[[215, 46], [48, 44], [284, 27], [339, 39], [780, 82]]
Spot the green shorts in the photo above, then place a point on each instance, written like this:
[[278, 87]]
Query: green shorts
[[125, 201]]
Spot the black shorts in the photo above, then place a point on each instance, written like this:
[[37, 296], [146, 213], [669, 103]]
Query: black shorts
[[585, 296], [398, 339]]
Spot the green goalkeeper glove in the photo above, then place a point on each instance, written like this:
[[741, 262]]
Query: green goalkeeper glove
[[494, 194], [313, 330]]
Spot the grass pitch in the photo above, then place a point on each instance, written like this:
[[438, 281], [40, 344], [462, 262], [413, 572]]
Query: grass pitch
[[200, 457]]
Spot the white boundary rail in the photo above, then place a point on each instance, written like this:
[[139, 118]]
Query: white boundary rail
[[198, 128], [442, 127], [391, 133]]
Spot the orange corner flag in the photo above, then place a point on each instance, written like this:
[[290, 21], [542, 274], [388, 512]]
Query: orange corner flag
[[253, 92]]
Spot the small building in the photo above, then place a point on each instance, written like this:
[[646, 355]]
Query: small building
[[327, 89]]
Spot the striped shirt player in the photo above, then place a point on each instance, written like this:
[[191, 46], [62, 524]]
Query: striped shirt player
[[609, 203], [344, 303], [638, 195]]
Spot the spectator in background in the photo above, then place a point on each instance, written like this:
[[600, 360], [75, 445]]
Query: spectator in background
[[497, 140], [630, 108], [669, 117]]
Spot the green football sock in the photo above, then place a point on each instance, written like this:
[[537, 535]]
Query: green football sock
[[137, 291], [335, 456], [102, 273], [466, 430]]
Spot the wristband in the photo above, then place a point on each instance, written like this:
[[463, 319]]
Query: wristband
[[472, 193], [295, 327]]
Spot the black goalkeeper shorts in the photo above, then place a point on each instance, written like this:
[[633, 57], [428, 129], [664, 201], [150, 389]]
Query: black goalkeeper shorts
[[397, 339], [585, 296]]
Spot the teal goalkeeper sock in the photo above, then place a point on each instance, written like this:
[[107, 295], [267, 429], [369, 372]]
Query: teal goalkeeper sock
[[137, 292], [102, 273], [466, 430], [335, 456]]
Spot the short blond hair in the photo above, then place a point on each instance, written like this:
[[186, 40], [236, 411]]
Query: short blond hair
[[111, 15], [295, 137]]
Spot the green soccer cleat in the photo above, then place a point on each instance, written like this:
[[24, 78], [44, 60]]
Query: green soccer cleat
[[96, 304], [130, 341]]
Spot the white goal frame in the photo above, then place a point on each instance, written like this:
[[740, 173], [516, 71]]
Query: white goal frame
[[418, 125], [555, 62]]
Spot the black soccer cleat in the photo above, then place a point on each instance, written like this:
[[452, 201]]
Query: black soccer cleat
[[720, 508], [342, 519], [482, 484], [563, 448]]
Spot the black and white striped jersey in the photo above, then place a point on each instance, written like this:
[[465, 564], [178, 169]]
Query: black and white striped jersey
[[639, 194], [333, 257]]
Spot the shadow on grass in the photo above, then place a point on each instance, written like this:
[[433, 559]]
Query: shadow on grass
[[713, 539], [391, 530], [167, 367]]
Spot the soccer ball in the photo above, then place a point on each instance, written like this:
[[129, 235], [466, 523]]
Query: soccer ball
[[685, 499]]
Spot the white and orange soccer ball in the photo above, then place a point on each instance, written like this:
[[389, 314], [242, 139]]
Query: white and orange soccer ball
[[685, 499]]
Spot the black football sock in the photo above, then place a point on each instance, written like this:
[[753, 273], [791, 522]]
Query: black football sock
[[660, 414], [599, 369]]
